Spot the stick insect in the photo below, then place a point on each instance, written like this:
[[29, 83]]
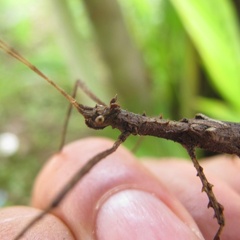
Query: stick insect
[[200, 131]]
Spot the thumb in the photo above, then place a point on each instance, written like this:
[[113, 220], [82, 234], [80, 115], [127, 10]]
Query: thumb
[[118, 199]]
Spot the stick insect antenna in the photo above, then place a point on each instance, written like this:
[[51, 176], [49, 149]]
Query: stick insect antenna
[[19, 57], [90, 94]]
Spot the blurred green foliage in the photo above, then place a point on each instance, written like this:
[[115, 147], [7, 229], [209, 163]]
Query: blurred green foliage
[[189, 51]]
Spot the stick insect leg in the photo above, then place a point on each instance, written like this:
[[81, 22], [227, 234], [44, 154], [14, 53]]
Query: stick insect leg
[[89, 93], [137, 144], [207, 187], [78, 84], [73, 181]]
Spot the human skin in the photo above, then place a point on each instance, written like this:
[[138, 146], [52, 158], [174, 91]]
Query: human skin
[[124, 198]]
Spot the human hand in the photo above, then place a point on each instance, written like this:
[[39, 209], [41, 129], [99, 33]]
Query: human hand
[[122, 198]]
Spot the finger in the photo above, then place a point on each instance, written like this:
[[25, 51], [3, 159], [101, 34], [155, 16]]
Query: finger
[[181, 178], [226, 167], [118, 199], [14, 219]]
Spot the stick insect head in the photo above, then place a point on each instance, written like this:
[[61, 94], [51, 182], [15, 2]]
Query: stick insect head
[[100, 116]]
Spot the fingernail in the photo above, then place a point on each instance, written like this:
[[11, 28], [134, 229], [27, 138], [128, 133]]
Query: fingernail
[[134, 214]]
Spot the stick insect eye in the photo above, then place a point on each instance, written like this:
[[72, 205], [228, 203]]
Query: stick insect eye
[[99, 119]]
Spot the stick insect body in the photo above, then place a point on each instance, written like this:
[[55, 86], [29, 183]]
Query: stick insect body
[[201, 132]]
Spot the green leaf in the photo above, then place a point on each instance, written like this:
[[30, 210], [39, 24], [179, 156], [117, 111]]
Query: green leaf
[[213, 28], [217, 109]]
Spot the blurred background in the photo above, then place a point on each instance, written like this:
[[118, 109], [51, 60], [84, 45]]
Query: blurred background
[[162, 57]]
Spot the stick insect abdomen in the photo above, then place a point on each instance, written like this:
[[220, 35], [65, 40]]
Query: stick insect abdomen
[[221, 139]]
